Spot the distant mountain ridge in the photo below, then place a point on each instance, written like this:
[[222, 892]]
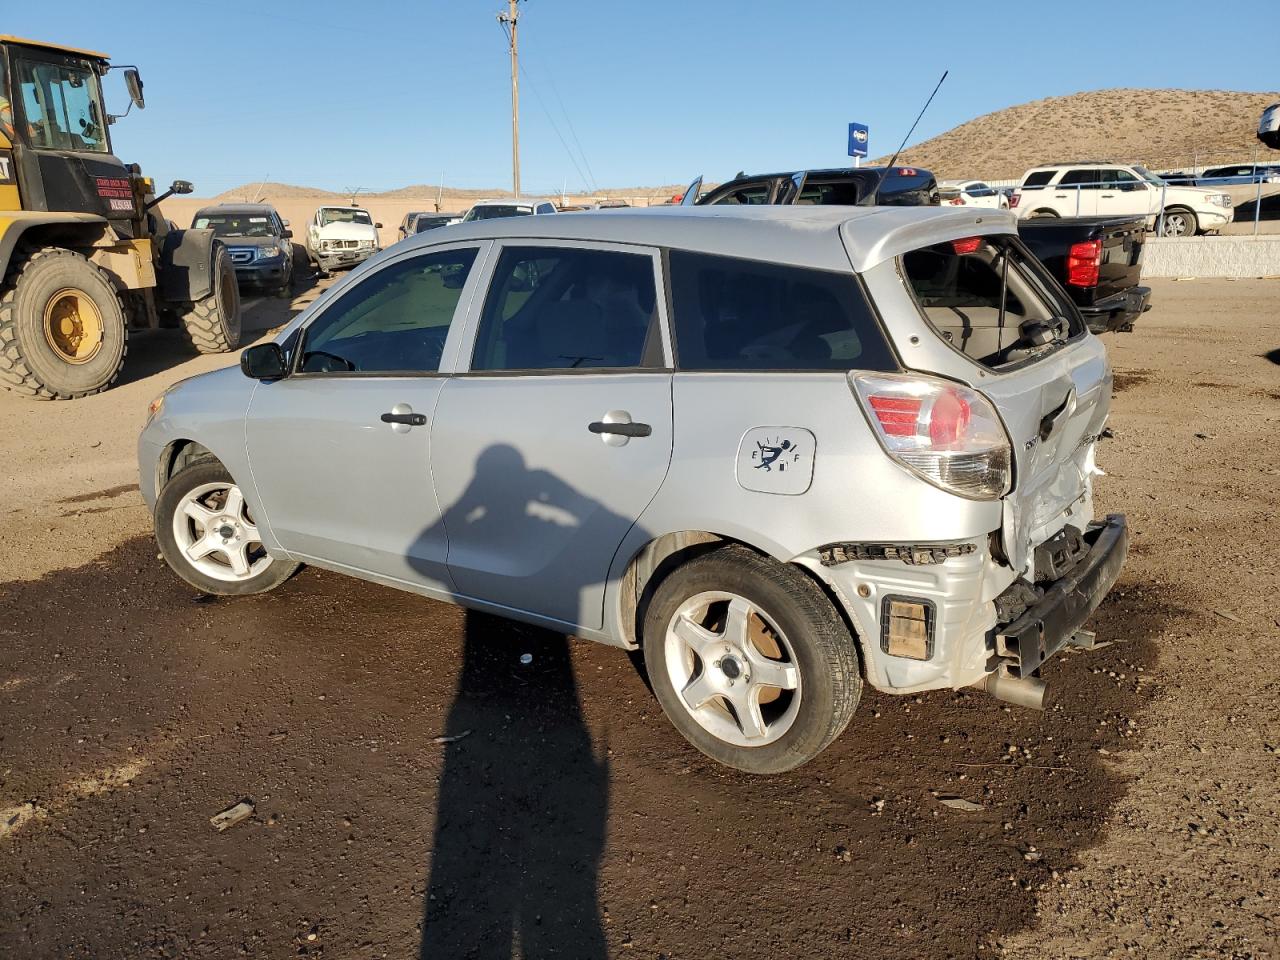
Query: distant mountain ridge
[[1166, 129], [1169, 129]]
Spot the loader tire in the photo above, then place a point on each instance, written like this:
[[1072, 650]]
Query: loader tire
[[63, 328], [213, 323]]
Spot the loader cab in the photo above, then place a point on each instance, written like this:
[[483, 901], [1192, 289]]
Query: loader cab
[[54, 138]]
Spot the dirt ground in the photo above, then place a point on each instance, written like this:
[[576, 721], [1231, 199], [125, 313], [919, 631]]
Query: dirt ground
[[1137, 817]]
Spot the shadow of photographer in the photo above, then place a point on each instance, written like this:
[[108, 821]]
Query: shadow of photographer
[[523, 798]]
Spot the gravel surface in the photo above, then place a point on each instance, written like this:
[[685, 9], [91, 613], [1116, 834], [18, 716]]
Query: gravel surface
[[417, 789]]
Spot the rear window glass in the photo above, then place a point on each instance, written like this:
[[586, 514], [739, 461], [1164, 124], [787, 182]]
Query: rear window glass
[[988, 300], [731, 314], [1038, 178]]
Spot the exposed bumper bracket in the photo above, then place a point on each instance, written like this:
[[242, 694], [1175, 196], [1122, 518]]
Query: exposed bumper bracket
[[1055, 620]]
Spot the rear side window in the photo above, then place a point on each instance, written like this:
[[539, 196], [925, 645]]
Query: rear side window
[[988, 299], [559, 308], [731, 314], [749, 194], [1037, 178], [1091, 179], [844, 193]]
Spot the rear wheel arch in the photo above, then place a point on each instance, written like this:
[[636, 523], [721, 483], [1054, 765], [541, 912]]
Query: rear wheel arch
[[663, 555]]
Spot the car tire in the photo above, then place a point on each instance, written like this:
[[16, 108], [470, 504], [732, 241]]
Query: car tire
[[764, 651], [286, 285], [213, 321], [196, 507], [1180, 222], [1043, 215], [63, 328]]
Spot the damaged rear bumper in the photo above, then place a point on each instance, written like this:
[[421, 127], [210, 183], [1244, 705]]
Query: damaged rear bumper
[[1053, 620]]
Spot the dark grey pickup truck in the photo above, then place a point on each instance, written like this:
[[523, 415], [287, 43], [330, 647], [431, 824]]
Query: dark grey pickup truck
[[1098, 261]]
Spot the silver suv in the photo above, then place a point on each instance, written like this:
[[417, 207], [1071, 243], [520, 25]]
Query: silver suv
[[783, 450]]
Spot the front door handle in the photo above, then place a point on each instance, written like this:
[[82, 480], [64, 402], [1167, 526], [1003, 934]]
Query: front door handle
[[621, 429], [408, 419]]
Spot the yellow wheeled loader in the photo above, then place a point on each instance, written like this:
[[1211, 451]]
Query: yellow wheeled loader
[[85, 255]]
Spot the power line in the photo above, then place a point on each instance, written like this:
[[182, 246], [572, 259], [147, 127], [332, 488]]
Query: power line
[[550, 119]]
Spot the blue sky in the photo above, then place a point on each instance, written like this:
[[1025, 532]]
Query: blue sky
[[381, 94]]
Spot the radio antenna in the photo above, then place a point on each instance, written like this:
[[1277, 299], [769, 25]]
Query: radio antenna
[[889, 166]]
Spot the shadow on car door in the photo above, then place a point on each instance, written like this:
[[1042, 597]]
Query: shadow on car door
[[550, 447]]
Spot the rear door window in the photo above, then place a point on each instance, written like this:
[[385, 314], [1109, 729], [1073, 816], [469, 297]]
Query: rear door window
[[1085, 179], [989, 299], [1037, 178], [569, 308], [748, 194], [732, 314]]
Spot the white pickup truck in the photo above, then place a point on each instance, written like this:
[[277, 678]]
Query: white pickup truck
[[341, 237], [1114, 189]]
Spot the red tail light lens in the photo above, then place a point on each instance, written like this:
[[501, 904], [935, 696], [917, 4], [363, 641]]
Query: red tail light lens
[[1013, 200], [949, 418], [898, 416], [946, 433], [967, 245], [1083, 261]]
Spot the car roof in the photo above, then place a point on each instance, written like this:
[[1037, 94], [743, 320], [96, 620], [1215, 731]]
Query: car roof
[[237, 208], [340, 206], [809, 236]]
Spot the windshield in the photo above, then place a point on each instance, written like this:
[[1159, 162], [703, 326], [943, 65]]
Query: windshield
[[330, 215], [493, 211], [1148, 176], [63, 106], [423, 224], [234, 224]]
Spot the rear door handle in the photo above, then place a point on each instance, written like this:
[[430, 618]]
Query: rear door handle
[[408, 419], [621, 429]]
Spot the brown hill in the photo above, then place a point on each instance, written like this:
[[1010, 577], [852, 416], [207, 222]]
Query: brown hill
[[1165, 129]]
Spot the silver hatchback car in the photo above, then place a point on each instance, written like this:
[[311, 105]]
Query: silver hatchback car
[[784, 450]]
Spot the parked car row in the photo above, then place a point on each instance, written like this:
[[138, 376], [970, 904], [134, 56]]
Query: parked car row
[[1110, 189], [1226, 176]]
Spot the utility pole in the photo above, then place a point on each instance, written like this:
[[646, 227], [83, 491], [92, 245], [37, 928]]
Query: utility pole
[[509, 20]]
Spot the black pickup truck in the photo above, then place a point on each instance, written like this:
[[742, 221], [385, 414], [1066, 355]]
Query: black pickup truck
[[1096, 259]]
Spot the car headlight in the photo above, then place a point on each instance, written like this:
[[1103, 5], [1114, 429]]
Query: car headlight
[[267, 252]]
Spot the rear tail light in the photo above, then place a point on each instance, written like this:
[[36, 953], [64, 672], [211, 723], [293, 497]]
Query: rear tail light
[[945, 433], [1013, 200], [1083, 261], [957, 202]]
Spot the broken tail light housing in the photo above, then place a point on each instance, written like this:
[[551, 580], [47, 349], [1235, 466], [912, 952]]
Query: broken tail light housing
[[946, 433], [1084, 260], [906, 627]]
